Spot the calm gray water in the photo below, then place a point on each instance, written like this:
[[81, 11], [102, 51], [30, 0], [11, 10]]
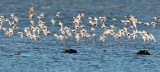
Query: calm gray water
[[46, 55]]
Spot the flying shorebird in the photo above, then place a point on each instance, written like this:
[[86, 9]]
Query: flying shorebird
[[32, 22], [53, 21], [16, 19], [20, 34], [133, 20], [58, 14], [153, 24], [102, 38], [31, 12], [77, 36]]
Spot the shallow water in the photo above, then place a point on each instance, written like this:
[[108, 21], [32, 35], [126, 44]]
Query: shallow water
[[46, 55]]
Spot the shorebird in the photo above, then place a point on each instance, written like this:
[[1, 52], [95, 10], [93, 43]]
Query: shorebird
[[55, 36], [77, 36], [102, 38], [45, 30], [134, 34], [38, 30], [20, 34], [152, 37], [68, 31], [58, 14], [53, 21], [42, 15], [8, 32], [121, 32], [107, 31], [32, 22], [74, 31], [125, 22], [76, 20], [153, 24], [2, 19], [112, 27], [117, 35], [61, 38], [82, 14], [154, 18], [146, 23], [31, 12], [128, 35], [92, 29], [12, 15], [133, 20], [16, 19], [60, 24], [27, 31], [103, 25]]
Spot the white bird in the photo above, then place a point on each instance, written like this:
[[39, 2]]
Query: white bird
[[125, 22], [107, 32], [96, 19], [38, 30], [128, 35], [53, 21], [92, 29], [82, 14], [20, 34], [58, 14], [60, 37], [125, 29], [35, 37], [9, 32], [16, 19], [102, 18], [31, 12], [32, 22], [153, 24], [112, 27], [103, 25], [4, 29], [79, 17], [61, 24], [94, 35], [68, 31], [117, 35], [146, 23], [7, 20], [154, 18], [12, 15], [152, 37], [76, 20], [133, 20], [134, 34], [77, 36], [144, 38], [74, 31], [122, 32], [139, 22], [42, 14], [55, 36], [102, 38]]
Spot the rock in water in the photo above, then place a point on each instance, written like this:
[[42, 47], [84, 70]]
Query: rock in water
[[143, 52], [69, 51]]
